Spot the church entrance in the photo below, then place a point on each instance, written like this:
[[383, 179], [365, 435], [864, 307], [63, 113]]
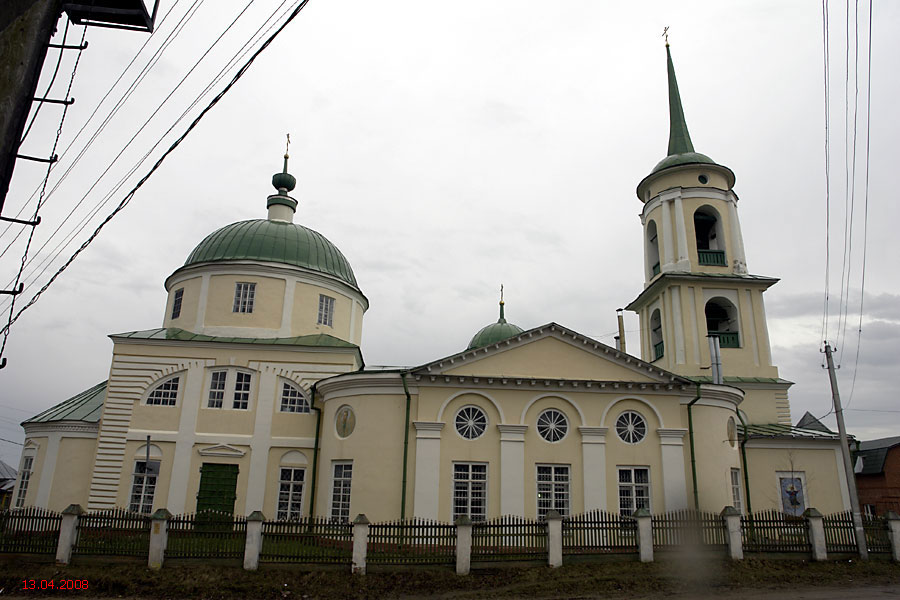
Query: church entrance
[[218, 484]]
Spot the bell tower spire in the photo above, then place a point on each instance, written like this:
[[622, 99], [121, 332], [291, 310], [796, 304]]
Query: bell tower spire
[[679, 137]]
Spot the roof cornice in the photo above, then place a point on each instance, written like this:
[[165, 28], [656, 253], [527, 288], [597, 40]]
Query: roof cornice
[[652, 290]]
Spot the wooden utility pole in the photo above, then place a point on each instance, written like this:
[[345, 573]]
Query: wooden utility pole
[[845, 452]]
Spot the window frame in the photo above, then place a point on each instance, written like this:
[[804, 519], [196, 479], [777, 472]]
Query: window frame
[[326, 310], [230, 391], [143, 486], [287, 514], [242, 396], [244, 297], [157, 385], [177, 301], [24, 477], [336, 510], [566, 486], [454, 514], [643, 420], [484, 429], [737, 491], [302, 402], [565, 425], [632, 485]]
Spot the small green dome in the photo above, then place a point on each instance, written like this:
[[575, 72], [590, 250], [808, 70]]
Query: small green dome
[[495, 332], [685, 158], [274, 241]]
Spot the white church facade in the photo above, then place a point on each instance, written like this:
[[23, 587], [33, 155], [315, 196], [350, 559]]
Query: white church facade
[[253, 394]]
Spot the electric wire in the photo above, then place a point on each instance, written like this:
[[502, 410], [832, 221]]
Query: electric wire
[[40, 103], [62, 120], [11, 442], [69, 238], [127, 199]]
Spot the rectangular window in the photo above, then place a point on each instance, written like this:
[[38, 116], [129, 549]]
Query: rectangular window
[[292, 400], [340, 492], [24, 477], [792, 488], [143, 486], [326, 310], [216, 389], [244, 293], [736, 490], [290, 494], [552, 490], [470, 490], [165, 393], [242, 391], [176, 303], [634, 489]]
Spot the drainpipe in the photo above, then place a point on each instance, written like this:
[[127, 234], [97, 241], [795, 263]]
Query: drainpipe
[[691, 438], [744, 459], [315, 465], [405, 448]]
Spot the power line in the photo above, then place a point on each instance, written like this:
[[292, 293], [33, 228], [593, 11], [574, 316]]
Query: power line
[[11, 442], [125, 201]]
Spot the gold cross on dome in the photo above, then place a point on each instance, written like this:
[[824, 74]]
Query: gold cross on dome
[[288, 145], [665, 34]]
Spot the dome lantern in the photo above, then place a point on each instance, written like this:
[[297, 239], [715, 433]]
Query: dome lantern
[[495, 332], [281, 206]]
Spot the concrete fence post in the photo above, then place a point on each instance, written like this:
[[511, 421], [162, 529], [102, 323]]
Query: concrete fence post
[[816, 526], [360, 542], [554, 539], [732, 518], [68, 533], [159, 538], [463, 545], [644, 534], [254, 540], [893, 523]]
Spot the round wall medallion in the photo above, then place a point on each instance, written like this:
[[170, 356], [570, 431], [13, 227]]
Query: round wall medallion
[[344, 421], [731, 431]]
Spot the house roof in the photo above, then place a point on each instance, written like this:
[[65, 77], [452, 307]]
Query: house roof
[[808, 421], [176, 334], [776, 430], [873, 454], [7, 472], [85, 406]]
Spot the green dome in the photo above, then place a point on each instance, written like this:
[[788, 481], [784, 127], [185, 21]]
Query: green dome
[[274, 241], [685, 158], [495, 332]]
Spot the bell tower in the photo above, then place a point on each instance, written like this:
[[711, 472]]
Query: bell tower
[[696, 282]]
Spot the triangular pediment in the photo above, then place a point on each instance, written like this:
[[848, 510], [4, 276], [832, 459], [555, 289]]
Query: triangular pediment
[[550, 352], [221, 450]]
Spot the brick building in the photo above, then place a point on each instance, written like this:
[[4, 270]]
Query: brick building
[[878, 475]]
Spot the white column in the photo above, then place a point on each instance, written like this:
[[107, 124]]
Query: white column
[[261, 440], [683, 262], [463, 545], [593, 453], [253, 541], [732, 518], [674, 485], [184, 444], [360, 544], [739, 260], [428, 463], [48, 469], [201, 303], [512, 469], [159, 538], [287, 310], [667, 247], [68, 533], [554, 539]]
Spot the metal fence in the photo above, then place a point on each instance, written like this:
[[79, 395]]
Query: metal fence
[[207, 534], [412, 542], [773, 531], [839, 532], [688, 528], [878, 537], [315, 540], [509, 538], [29, 530], [113, 532], [599, 532]]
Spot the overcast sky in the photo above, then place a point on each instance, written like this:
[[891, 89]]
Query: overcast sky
[[447, 148]]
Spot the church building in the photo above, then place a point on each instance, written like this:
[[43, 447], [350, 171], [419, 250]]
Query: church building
[[253, 394]]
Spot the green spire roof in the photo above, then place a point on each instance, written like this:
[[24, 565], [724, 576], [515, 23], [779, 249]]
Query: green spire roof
[[495, 332], [681, 149]]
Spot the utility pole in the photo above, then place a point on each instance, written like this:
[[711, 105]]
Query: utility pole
[[845, 452]]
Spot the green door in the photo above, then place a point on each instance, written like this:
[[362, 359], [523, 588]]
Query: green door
[[217, 488]]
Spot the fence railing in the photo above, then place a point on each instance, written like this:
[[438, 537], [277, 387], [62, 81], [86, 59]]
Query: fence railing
[[599, 532], [509, 538], [839, 532], [773, 531], [207, 534], [688, 528], [412, 542], [878, 537], [30, 530], [113, 532], [315, 540]]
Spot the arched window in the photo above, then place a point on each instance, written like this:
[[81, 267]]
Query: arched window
[[652, 250], [293, 399], [656, 337], [165, 393], [722, 319], [710, 238], [291, 481]]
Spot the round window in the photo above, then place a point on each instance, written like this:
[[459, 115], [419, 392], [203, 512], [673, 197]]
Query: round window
[[471, 422], [552, 425], [631, 427], [703, 179]]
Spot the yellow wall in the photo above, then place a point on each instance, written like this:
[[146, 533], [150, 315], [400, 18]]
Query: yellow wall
[[304, 319], [72, 477], [267, 306], [190, 303], [715, 456], [820, 467], [688, 178]]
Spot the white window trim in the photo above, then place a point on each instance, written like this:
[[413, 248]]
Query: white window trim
[[325, 313], [615, 427], [487, 486], [20, 479], [230, 381], [135, 474], [632, 484], [567, 420], [177, 302], [740, 487], [178, 395], [487, 422], [537, 508], [238, 299], [801, 475], [335, 463], [280, 399], [302, 490]]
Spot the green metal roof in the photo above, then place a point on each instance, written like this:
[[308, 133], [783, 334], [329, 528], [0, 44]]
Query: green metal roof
[[274, 241], [495, 332], [85, 406], [174, 333], [708, 379], [776, 430]]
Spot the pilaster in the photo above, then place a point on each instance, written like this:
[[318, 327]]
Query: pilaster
[[593, 452], [671, 443], [512, 469], [428, 462]]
